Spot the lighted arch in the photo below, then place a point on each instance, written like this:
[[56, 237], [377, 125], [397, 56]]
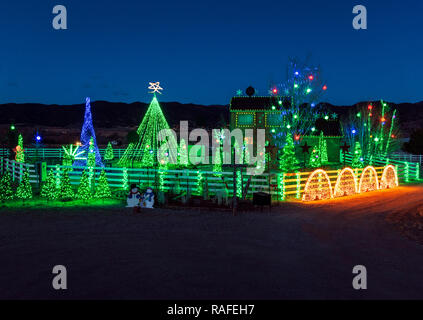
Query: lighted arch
[[368, 180], [346, 183], [318, 186], [389, 178]]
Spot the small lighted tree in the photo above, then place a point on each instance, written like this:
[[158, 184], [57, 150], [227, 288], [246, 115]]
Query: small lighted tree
[[357, 161], [103, 188], [66, 191], [108, 154], [315, 160], [24, 190], [183, 154], [72, 154], [20, 152], [49, 190], [323, 148], [84, 189], [288, 161], [6, 192]]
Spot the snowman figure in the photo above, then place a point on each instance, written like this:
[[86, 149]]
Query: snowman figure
[[147, 200], [134, 197]]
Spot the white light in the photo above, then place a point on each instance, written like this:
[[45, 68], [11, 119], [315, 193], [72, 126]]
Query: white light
[[155, 86]]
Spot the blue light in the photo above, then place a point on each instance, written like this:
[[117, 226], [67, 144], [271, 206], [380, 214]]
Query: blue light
[[297, 73], [313, 105], [353, 131], [38, 138]]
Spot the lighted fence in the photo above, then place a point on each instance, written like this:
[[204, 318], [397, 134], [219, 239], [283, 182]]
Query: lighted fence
[[58, 153], [407, 171], [306, 186]]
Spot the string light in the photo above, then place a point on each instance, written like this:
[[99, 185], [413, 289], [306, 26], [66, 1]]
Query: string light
[[318, 186], [346, 183], [368, 180]]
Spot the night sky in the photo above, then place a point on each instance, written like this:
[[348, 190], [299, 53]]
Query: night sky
[[203, 51]]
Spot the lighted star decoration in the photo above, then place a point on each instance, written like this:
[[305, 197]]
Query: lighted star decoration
[[239, 92], [155, 86], [334, 115]]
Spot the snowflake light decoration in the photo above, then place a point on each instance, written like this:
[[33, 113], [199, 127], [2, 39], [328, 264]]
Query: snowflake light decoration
[[155, 86]]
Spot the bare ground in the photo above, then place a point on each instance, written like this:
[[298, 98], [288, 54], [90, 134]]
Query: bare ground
[[298, 251]]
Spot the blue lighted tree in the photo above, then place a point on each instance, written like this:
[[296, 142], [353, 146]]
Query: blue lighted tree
[[86, 134]]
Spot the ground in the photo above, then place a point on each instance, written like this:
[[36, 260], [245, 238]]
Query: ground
[[298, 251]]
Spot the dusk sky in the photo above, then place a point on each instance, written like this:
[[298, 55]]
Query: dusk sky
[[204, 51]]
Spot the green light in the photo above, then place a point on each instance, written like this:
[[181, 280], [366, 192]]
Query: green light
[[376, 139], [313, 129], [12, 127], [280, 102], [358, 115], [273, 107], [295, 86], [273, 130], [288, 126], [308, 90], [326, 117], [295, 116]]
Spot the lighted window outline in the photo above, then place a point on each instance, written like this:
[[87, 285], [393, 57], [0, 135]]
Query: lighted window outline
[[245, 125], [267, 125]]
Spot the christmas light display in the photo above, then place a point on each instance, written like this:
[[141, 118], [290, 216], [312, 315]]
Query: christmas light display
[[24, 190], [389, 178], [72, 153], [315, 159], [108, 154], [19, 150], [304, 86], [358, 160], [323, 149], [144, 152], [87, 133], [375, 127], [155, 86], [368, 180], [84, 189], [49, 190], [346, 183], [103, 188], [125, 183], [288, 161], [183, 154], [66, 191], [6, 192], [318, 186]]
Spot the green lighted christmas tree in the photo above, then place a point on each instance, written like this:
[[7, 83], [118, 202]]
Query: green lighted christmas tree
[[108, 154], [144, 152], [20, 152], [183, 154], [66, 191], [84, 189], [103, 188], [323, 148], [49, 190], [289, 162], [315, 160], [6, 192], [357, 161], [91, 154], [24, 190]]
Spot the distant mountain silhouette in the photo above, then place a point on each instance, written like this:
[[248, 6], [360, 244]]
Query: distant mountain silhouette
[[112, 114]]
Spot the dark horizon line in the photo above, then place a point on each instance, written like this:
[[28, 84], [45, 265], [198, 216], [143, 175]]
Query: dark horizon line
[[193, 103]]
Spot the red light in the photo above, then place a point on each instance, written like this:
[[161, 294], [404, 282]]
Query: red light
[[370, 107], [325, 87], [382, 120], [392, 136], [297, 137], [370, 114], [275, 91], [311, 77]]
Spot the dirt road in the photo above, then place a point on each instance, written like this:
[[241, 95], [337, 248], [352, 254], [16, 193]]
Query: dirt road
[[298, 251]]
